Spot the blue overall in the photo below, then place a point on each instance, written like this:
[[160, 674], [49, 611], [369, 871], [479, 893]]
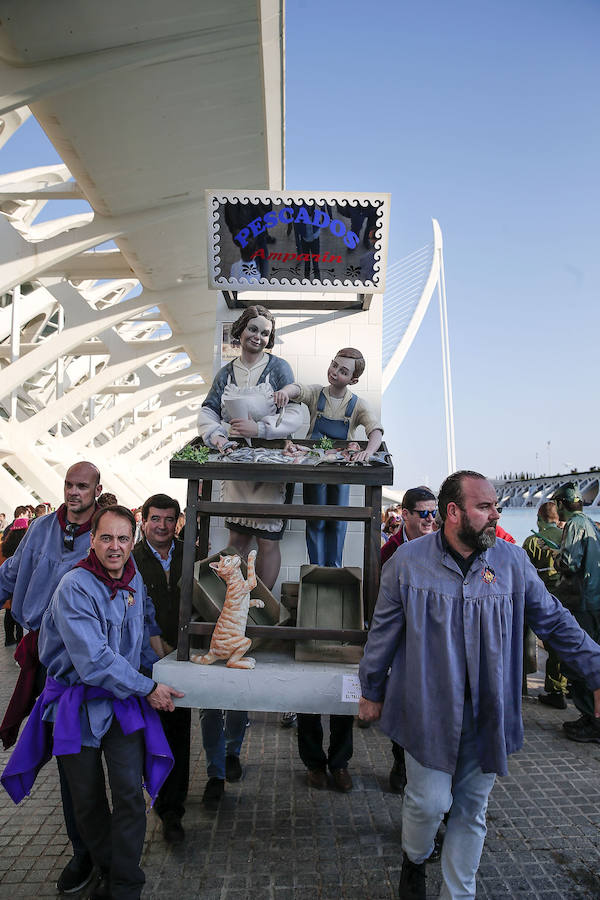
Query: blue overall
[[325, 543], [325, 537]]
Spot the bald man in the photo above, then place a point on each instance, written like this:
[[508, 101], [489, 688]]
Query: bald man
[[51, 547]]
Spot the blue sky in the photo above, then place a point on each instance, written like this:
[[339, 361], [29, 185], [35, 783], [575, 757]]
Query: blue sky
[[483, 115]]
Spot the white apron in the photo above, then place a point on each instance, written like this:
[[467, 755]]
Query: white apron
[[250, 403]]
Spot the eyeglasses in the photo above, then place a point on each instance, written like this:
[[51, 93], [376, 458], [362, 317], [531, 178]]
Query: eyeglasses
[[423, 513], [69, 536]]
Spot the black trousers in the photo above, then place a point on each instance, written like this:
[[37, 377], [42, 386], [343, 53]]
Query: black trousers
[[13, 632], [310, 741], [79, 847], [115, 840], [171, 797]]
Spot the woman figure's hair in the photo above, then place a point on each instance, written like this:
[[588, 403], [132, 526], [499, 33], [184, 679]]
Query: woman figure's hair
[[252, 312]]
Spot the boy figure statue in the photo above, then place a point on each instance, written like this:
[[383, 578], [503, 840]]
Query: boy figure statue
[[336, 413]]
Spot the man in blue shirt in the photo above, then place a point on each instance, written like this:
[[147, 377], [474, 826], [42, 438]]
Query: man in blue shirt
[[443, 669], [91, 641]]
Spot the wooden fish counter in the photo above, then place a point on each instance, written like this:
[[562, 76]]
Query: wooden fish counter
[[201, 507]]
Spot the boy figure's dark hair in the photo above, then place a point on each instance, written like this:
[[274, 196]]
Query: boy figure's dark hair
[[352, 353]]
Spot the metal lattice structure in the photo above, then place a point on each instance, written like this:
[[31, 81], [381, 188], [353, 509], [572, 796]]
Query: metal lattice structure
[[107, 328]]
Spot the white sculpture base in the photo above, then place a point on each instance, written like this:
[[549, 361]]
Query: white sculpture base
[[277, 684]]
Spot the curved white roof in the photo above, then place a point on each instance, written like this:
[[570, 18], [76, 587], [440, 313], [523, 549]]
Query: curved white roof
[[147, 105]]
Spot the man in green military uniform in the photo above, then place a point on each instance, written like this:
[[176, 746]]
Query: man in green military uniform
[[578, 563], [541, 548], [159, 558]]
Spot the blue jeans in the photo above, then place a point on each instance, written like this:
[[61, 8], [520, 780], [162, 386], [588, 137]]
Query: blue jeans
[[325, 537], [222, 735], [430, 794]]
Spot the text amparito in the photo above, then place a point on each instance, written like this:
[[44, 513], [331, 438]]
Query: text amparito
[[299, 257]]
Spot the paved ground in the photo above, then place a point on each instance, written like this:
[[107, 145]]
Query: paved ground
[[275, 840]]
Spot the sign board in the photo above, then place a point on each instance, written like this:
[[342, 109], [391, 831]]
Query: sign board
[[329, 242]]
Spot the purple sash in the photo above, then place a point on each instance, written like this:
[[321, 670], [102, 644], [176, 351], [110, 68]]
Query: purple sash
[[36, 744]]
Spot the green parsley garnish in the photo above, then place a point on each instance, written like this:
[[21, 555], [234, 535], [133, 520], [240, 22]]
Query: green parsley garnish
[[193, 454]]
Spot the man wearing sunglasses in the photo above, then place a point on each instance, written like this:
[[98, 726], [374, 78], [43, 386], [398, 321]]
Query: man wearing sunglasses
[[50, 548], [418, 514]]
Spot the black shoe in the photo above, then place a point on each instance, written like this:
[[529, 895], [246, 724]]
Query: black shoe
[[575, 725], [288, 719], [233, 768], [213, 793], [412, 881], [76, 874], [555, 699], [342, 780], [173, 832], [317, 779], [587, 734], [398, 777], [101, 889]]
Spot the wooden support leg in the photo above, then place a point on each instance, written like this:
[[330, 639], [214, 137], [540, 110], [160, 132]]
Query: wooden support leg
[[187, 572], [372, 564], [204, 531]]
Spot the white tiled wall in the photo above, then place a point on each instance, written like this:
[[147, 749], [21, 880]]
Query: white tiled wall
[[308, 341]]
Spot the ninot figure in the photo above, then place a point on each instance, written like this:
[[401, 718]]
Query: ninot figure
[[336, 413], [240, 404]]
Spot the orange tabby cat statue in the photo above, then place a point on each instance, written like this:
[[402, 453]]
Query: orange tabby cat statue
[[229, 639]]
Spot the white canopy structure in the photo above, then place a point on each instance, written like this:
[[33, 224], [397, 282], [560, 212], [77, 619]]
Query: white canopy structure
[[105, 351]]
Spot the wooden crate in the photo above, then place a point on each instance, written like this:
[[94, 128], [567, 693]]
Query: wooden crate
[[289, 595], [209, 595], [329, 598]]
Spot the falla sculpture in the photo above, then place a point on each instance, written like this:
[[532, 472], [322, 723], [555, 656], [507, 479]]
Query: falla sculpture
[[229, 641]]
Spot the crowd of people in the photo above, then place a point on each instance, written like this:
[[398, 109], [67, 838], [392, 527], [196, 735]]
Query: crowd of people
[[445, 643], [91, 592]]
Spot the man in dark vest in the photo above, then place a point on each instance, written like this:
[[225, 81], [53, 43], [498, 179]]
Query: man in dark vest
[[159, 558]]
